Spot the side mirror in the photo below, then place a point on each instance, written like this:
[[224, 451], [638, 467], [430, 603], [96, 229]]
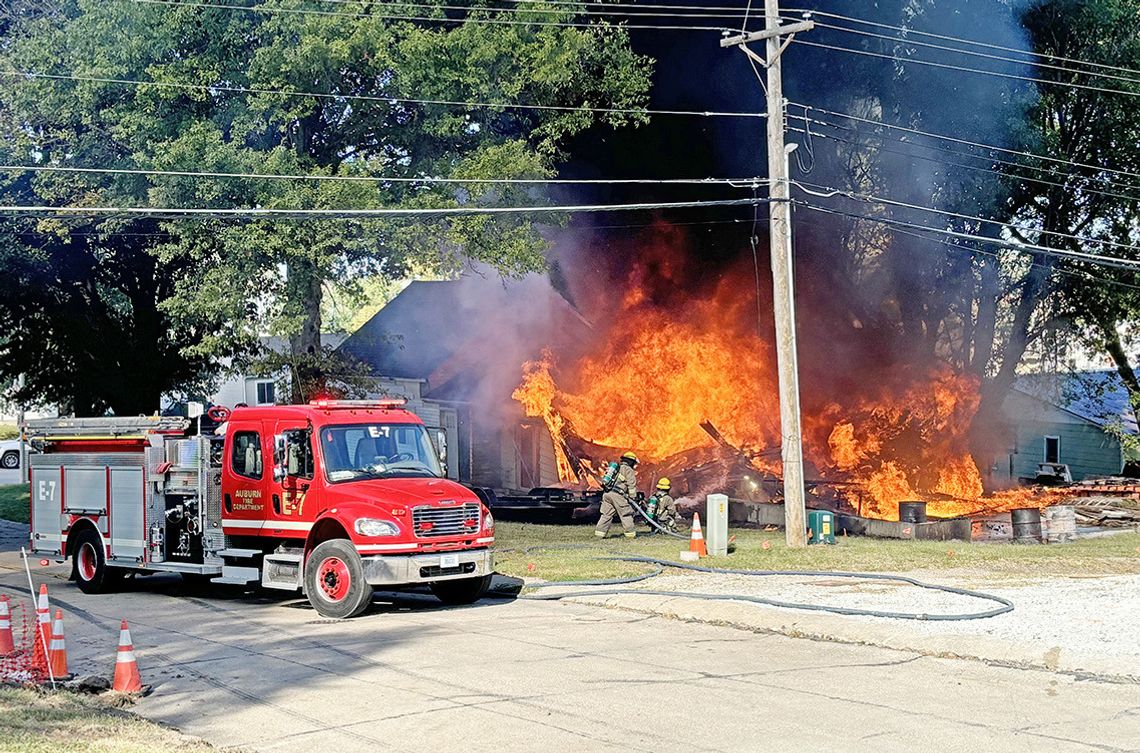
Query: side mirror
[[280, 453]]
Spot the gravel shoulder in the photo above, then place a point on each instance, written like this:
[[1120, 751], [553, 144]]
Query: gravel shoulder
[[1073, 625]]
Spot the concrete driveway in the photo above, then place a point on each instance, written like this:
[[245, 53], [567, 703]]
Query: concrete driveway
[[263, 671]]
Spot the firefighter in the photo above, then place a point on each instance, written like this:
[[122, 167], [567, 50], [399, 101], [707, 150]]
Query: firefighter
[[615, 501], [662, 506]]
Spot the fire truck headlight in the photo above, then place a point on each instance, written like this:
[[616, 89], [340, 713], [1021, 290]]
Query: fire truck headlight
[[488, 521], [374, 527]]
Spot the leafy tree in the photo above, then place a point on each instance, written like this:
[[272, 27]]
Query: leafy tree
[[284, 87]]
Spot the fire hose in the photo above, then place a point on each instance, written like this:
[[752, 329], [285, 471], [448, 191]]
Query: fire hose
[[653, 523], [1004, 605]]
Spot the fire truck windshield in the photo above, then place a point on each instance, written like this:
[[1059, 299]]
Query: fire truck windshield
[[362, 451]]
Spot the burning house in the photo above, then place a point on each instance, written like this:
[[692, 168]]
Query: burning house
[[452, 349], [531, 385]]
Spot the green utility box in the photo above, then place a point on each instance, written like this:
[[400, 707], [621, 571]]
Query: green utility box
[[821, 527]]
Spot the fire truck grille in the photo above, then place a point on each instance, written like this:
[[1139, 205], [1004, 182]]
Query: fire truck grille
[[432, 522]]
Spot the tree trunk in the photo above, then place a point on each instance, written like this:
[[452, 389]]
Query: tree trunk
[[988, 430], [306, 292], [1116, 350], [986, 325]]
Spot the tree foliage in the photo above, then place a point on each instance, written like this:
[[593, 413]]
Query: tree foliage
[[275, 89]]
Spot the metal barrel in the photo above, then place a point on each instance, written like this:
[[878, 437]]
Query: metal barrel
[[912, 512], [1026, 525]]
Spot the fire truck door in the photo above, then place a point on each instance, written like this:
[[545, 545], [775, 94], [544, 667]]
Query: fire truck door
[[288, 513], [245, 474]]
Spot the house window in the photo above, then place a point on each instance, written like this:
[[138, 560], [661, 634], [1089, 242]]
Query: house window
[[266, 393], [246, 458], [1052, 449]]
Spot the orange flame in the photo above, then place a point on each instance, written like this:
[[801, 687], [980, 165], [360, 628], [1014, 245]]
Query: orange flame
[[668, 365]]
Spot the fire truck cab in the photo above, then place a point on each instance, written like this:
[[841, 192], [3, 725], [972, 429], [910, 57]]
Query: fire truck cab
[[331, 498]]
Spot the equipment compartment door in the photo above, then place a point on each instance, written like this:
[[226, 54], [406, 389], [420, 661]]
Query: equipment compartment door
[[128, 527], [47, 507]]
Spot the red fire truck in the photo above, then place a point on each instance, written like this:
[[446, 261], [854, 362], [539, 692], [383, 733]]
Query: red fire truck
[[332, 498]]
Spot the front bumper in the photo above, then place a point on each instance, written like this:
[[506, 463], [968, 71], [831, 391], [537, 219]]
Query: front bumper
[[402, 569]]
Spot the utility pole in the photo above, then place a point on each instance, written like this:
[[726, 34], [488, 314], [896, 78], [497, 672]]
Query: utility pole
[[777, 38]]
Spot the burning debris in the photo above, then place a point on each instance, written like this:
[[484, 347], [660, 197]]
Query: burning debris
[[686, 381]]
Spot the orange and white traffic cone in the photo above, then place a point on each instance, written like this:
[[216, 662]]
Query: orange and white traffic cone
[[127, 679], [42, 635], [7, 644], [57, 651], [697, 539]]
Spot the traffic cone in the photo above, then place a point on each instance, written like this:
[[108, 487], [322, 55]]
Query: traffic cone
[[57, 651], [697, 539], [127, 679], [41, 637], [7, 645]]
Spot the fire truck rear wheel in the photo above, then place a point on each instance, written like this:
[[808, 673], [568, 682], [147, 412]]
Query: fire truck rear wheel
[[89, 566], [461, 591], [334, 580]]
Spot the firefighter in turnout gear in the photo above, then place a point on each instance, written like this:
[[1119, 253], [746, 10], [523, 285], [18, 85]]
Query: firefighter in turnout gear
[[616, 499], [662, 507]]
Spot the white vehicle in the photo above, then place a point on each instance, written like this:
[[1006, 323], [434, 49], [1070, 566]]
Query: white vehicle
[[10, 454]]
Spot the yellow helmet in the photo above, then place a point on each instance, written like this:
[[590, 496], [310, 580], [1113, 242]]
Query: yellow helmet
[[629, 456], [664, 485]]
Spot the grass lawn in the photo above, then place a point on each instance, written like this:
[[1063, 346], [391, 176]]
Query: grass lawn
[[14, 502], [34, 722], [1118, 554]]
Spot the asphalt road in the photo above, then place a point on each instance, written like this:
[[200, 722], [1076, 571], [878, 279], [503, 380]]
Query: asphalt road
[[263, 671]]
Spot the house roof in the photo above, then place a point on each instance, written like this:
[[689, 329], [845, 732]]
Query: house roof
[[1099, 397], [454, 332]]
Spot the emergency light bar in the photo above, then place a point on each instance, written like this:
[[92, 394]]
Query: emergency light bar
[[384, 403]]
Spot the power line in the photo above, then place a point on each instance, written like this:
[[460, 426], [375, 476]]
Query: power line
[[972, 42], [210, 88], [949, 66], [628, 11], [1105, 261], [976, 168], [987, 56], [387, 178], [433, 19], [830, 191], [1051, 268], [379, 213], [978, 145]]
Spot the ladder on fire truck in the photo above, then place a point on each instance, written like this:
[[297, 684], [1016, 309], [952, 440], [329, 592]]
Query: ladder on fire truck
[[103, 429]]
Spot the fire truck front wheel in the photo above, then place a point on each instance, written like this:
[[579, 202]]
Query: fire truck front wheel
[[89, 566], [334, 580]]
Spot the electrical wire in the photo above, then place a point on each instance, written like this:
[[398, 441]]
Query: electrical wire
[[950, 66], [432, 19], [961, 40], [258, 212], [381, 178], [1027, 248], [620, 11], [211, 88], [975, 168], [1081, 274], [1002, 58], [976, 144], [831, 191]]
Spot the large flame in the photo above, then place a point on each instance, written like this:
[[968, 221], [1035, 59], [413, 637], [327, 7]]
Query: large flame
[[668, 363]]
